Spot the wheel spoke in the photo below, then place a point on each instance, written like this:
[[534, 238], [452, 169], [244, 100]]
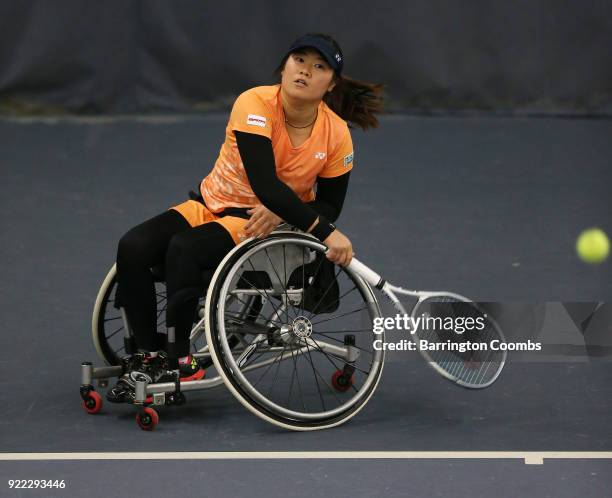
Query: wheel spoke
[[339, 298], [280, 281], [316, 272], [285, 273], [314, 371], [115, 332], [270, 365], [331, 283], [276, 374], [297, 377], [329, 356], [350, 331], [338, 340], [258, 313], [331, 389], [252, 359], [339, 316], [237, 316], [265, 291]]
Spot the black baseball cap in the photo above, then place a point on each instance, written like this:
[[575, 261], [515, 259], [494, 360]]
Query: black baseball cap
[[332, 55]]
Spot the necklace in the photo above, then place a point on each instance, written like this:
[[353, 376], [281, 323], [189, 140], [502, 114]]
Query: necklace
[[299, 127]]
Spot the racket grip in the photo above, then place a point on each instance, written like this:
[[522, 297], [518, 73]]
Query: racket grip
[[370, 276]]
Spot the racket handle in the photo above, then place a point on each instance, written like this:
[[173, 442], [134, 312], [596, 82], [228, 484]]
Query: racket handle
[[370, 276]]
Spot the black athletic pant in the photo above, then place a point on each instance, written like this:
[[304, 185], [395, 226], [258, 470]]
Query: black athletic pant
[[190, 256]]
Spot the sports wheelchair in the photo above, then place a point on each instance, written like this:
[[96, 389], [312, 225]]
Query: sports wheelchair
[[289, 333]]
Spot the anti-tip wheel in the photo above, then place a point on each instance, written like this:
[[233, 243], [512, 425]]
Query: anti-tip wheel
[[341, 381]]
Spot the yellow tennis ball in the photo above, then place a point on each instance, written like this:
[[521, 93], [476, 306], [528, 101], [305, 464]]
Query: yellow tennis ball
[[593, 246]]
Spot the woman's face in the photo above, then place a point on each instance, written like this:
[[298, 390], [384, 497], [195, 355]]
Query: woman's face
[[307, 76]]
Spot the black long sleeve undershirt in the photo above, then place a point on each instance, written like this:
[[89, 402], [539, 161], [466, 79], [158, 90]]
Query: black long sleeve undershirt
[[258, 160], [330, 196]]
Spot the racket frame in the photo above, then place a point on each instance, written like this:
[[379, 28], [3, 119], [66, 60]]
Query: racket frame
[[391, 291]]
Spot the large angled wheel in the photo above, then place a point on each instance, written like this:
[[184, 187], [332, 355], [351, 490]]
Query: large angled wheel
[[314, 320], [107, 325], [108, 328]]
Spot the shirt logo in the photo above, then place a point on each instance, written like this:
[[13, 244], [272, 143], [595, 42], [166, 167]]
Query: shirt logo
[[255, 120], [320, 155], [348, 159]]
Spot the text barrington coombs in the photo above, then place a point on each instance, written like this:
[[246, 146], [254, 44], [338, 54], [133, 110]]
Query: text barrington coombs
[[461, 347], [458, 324]]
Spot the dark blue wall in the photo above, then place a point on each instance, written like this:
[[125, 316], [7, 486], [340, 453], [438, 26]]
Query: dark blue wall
[[118, 56]]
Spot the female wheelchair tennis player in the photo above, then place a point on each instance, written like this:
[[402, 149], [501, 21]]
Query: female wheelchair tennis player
[[280, 141]]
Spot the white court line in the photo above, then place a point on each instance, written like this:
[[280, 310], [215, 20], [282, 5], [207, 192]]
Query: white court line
[[530, 457]]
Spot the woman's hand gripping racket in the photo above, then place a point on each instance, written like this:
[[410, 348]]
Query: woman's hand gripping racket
[[440, 332]]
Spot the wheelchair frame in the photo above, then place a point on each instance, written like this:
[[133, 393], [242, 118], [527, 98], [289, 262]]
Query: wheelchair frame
[[149, 394]]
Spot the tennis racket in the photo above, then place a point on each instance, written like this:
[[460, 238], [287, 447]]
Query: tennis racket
[[452, 333]]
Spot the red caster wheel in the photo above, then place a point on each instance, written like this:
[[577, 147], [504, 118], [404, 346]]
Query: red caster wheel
[[93, 402], [147, 419], [341, 381]]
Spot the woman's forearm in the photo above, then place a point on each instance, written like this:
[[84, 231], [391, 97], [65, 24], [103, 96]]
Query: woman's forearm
[[258, 160]]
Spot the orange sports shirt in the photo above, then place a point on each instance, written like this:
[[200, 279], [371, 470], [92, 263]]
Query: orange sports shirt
[[327, 153]]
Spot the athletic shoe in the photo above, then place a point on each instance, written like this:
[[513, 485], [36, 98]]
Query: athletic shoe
[[154, 370], [125, 388], [121, 390], [189, 369]]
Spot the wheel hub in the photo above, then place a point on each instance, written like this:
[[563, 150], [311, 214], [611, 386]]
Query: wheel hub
[[301, 327]]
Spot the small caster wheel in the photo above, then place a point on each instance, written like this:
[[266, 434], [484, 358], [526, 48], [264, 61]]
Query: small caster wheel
[[147, 419], [92, 403], [341, 381]]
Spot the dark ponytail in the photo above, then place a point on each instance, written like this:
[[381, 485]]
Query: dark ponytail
[[355, 101]]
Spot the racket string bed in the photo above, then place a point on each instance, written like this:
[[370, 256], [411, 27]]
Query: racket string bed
[[458, 339]]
